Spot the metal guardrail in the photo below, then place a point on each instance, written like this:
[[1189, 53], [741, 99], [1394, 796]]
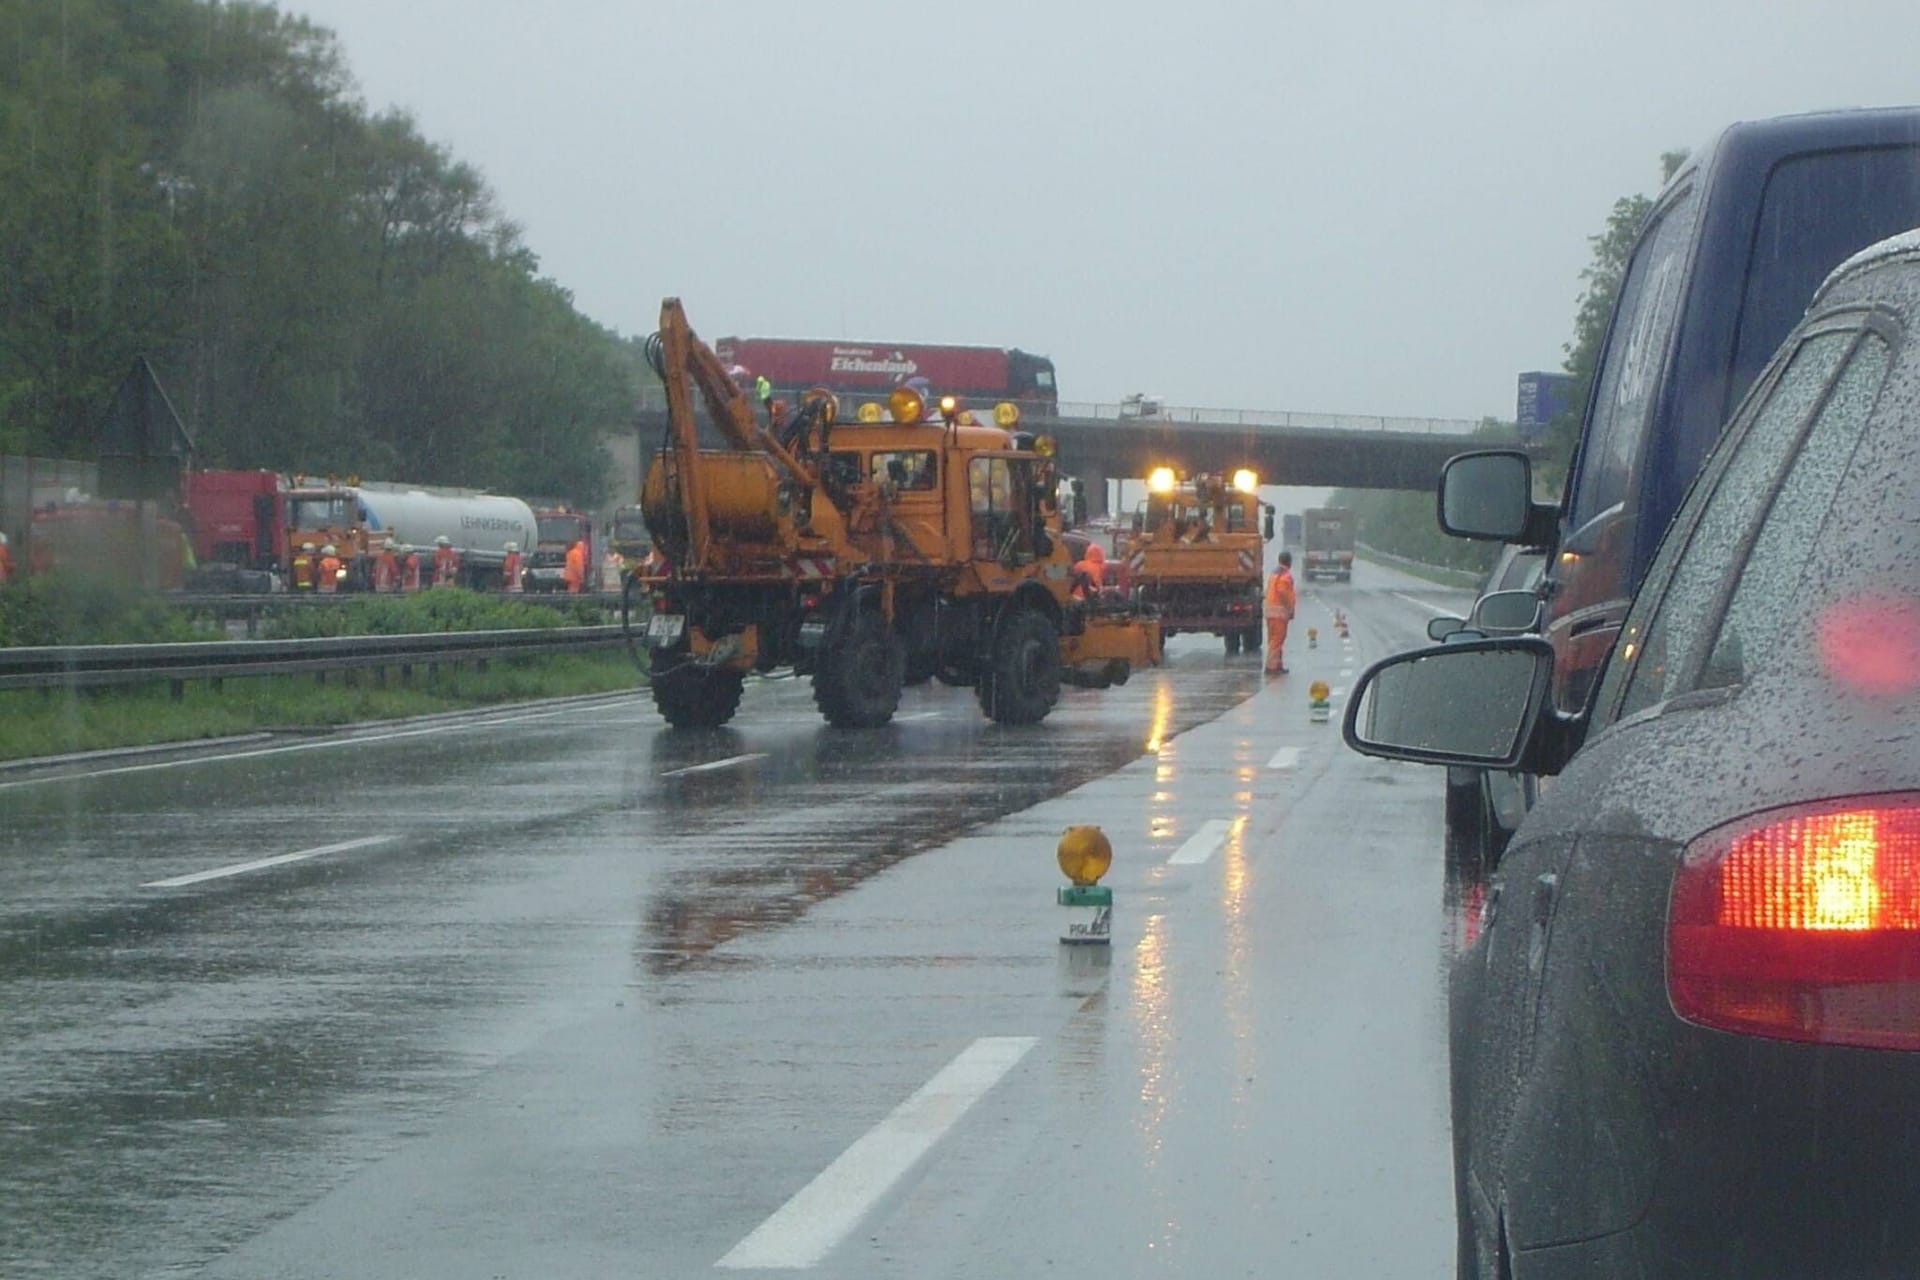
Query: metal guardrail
[[1271, 418], [250, 607], [96, 665]]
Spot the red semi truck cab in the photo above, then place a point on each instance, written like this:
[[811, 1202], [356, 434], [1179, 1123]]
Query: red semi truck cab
[[238, 517]]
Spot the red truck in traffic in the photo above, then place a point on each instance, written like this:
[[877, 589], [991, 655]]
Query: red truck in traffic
[[863, 372]]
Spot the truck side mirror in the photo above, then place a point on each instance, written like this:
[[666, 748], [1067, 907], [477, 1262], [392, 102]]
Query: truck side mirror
[[1507, 612], [1488, 495], [1266, 529]]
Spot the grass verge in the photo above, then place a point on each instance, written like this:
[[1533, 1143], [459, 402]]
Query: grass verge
[[33, 723], [1458, 578]]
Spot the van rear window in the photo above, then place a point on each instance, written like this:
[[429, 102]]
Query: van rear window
[[1817, 211]]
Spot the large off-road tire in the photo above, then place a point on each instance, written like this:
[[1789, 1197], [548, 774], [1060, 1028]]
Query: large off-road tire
[[857, 683], [691, 697], [1022, 679], [923, 647]]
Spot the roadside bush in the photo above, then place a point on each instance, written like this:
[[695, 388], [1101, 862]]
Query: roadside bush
[[52, 611], [441, 609]]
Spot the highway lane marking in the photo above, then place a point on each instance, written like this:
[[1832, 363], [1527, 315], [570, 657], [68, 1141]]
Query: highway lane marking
[[820, 1215], [1285, 758], [711, 765], [1346, 671], [318, 745], [261, 864], [1437, 609], [1201, 844]]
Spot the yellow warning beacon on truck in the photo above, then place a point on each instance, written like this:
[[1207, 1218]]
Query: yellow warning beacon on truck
[[864, 555], [1196, 552]]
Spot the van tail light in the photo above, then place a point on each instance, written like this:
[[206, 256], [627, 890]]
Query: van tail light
[[1803, 924]]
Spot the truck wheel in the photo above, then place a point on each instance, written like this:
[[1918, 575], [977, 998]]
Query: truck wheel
[[690, 697], [1022, 681], [857, 684], [1233, 643]]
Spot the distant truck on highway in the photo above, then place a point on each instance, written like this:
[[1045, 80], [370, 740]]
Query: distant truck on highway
[[863, 373], [558, 528], [1326, 537], [259, 519]]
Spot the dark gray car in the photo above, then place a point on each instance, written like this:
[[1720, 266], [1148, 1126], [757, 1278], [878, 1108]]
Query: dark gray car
[[1686, 1039]]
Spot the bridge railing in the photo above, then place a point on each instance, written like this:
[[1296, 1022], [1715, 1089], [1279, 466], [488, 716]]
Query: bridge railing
[[1272, 418]]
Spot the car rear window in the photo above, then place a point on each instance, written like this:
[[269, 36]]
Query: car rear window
[[1755, 617], [1652, 653], [1816, 212]]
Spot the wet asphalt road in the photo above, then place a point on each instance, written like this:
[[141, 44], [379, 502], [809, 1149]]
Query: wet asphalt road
[[556, 993]]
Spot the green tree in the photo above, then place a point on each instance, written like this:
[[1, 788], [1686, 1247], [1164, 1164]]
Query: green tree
[[321, 288]]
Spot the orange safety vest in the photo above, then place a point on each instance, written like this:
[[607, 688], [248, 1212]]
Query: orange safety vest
[[510, 572], [575, 572], [386, 570], [6, 563], [410, 572], [329, 573], [303, 572], [1281, 598], [446, 563]]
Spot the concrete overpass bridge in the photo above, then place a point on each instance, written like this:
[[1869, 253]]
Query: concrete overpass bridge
[[1100, 442]]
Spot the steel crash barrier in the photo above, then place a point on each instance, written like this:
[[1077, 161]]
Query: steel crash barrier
[[97, 665], [250, 608]]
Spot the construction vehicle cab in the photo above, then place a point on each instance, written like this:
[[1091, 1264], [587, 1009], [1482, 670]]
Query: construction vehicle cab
[[866, 555], [1196, 553]]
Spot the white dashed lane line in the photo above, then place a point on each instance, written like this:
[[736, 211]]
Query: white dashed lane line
[[261, 864], [821, 1214]]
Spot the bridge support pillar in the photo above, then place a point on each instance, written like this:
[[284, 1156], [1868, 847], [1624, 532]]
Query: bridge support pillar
[[1095, 479]]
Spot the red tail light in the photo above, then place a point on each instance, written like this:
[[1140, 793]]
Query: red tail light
[[1803, 924]]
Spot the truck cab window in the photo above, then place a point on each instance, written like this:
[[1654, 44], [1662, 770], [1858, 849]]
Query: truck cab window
[[1627, 391]]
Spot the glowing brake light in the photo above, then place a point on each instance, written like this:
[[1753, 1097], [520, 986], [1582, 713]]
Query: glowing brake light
[[1803, 924]]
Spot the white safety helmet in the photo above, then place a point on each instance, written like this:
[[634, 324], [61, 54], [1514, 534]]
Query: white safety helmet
[[308, 547], [329, 550], [443, 541], [513, 546]]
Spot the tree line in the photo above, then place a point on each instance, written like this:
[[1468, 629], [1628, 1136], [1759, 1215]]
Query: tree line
[[319, 287]]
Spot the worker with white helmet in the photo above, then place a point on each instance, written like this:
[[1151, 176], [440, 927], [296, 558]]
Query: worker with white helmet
[[510, 568], [332, 571], [304, 567], [446, 562]]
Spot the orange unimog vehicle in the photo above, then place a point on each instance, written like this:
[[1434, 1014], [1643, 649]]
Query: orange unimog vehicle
[[1196, 552], [867, 555]]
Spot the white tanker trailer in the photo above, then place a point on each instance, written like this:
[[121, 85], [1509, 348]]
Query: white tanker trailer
[[361, 519]]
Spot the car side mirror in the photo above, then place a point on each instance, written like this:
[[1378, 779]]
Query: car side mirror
[[1476, 704], [1488, 494], [1506, 612], [1438, 629], [1266, 529]]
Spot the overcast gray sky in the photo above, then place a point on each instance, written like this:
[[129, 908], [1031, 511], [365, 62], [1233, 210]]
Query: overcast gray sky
[[1325, 206]]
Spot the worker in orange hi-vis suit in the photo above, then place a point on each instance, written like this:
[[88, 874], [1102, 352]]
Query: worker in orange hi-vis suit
[[6, 561], [1089, 572], [446, 562], [1281, 602], [574, 574]]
